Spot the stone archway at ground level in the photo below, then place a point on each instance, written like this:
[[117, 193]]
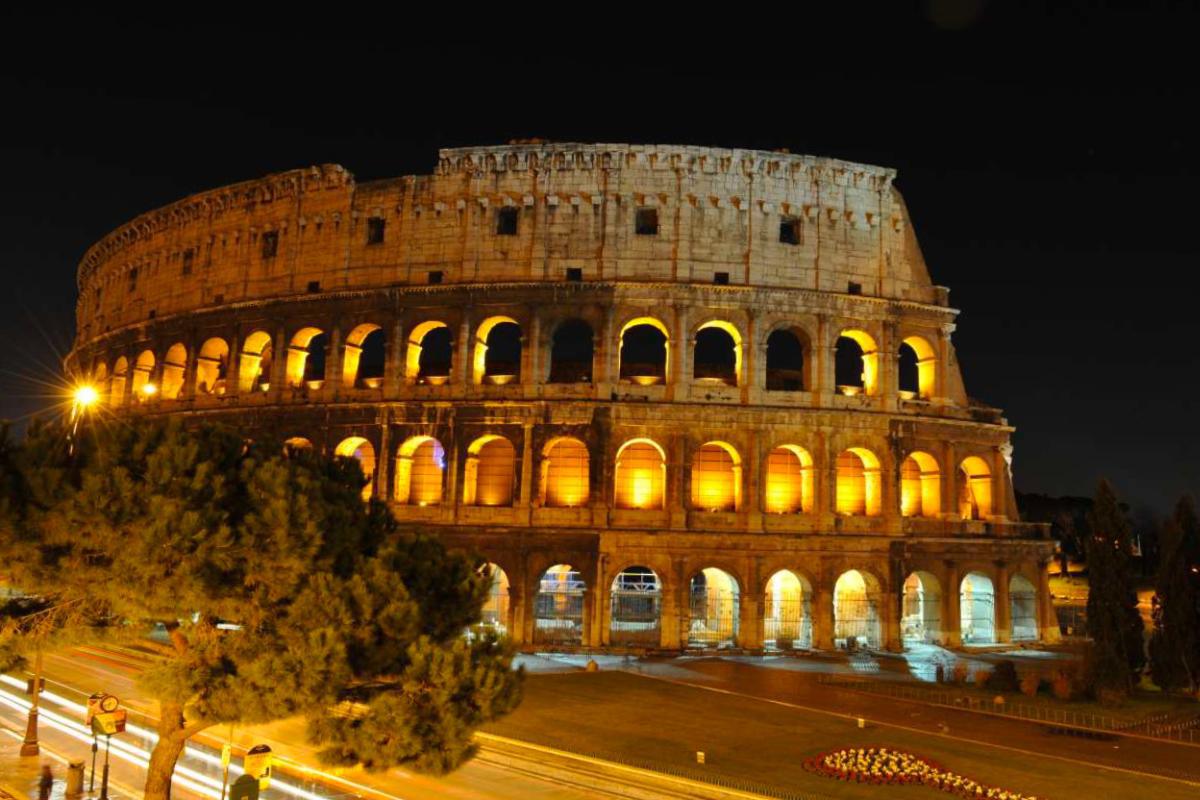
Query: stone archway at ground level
[[787, 612], [714, 606], [921, 609], [558, 607], [977, 609], [857, 611], [635, 600]]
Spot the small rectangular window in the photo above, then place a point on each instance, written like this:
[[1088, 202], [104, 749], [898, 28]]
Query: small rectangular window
[[97, 297], [721, 278], [854, 288], [270, 244], [153, 313], [575, 274], [375, 226], [218, 298], [646, 222], [188, 258], [789, 230], [314, 287], [506, 221], [435, 276], [133, 273]]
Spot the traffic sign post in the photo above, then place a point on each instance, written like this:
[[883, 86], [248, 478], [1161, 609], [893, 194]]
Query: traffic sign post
[[258, 763], [105, 717], [226, 757]]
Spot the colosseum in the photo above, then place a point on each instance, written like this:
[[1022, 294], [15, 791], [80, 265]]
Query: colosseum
[[673, 397]]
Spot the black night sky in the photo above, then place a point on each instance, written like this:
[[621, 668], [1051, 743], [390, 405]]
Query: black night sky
[[1049, 162]]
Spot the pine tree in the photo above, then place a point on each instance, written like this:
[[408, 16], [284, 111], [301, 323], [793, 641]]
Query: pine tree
[[1114, 624], [340, 614], [1175, 643]]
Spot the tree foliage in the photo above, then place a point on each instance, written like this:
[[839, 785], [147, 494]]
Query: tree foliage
[[1175, 643], [1114, 623], [331, 608]]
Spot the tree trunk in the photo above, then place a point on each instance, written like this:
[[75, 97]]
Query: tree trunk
[[171, 739]]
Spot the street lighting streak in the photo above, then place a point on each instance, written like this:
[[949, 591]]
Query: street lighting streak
[[190, 778]]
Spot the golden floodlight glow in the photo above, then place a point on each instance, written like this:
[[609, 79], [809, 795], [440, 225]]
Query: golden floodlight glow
[[643, 488], [86, 396], [149, 389]]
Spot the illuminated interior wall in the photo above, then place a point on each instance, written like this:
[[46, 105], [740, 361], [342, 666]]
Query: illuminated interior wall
[[143, 370], [926, 366], [716, 478], [420, 471], [735, 338], [211, 367], [489, 472], [789, 480], [856, 598], [785, 610], [920, 486], [495, 608], [479, 366], [174, 368], [565, 474], [870, 359], [116, 386], [360, 449], [975, 489], [920, 618], [254, 371], [641, 472], [296, 444], [977, 612], [297, 356], [662, 372], [352, 353], [859, 487]]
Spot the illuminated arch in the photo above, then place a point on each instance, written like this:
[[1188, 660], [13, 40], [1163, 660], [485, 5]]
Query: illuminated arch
[[254, 371], [647, 373], [788, 355], [300, 369], [173, 370], [116, 386], [716, 478], [636, 606], [143, 374], [975, 488], [713, 609], [787, 612], [482, 367], [1022, 598], [856, 610], [489, 472], [719, 371], [866, 381], [921, 609], [295, 445], [360, 449], [558, 606], [420, 471], [418, 365], [925, 358], [495, 611], [353, 373], [565, 473], [100, 381], [212, 367], [640, 475], [977, 609], [920, 486], [790, 478], [859, 489]]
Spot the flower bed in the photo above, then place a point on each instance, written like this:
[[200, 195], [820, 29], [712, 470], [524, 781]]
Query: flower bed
[[880, 765]]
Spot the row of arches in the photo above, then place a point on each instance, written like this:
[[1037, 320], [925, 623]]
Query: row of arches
[[711, 616], [489, 477], [495, 355]]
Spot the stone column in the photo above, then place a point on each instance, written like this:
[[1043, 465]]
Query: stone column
[[680, 377], [676, 486], [951, 610], [525, 490], [890, 619], [393, 363], [279, 359], [750, 611], [822, 623], [1048, 630], [383, 461], [531, 349], [605, 350], [674, 613], [518, 604], [602, 616], [755, 490], [1003, 604], [949, 474], [750, 379], [461, 370], [333, 362]]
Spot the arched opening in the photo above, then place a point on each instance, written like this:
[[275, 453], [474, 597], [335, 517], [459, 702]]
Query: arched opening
[[717, 356], [144, 387], [306, 359], [918, 368], [856, 607], [786, 366], [636, 608], [921, 618], [494, 614], [859, 491], [974, 488], [116, 387], [497, 351], [254, 373], [571, 353], [212, 367], [643, 352], [430, 353], [713, 618], [420, 471], [716, 478], [856, 363], [920, 486], [488, 476], [173, 371], [565, 473], [977, 612], [787, 612], [640, 475], [360, 450], [100, 381], [1022, 598], [789, 480], [295, 445], [363, 357], [558, 606]]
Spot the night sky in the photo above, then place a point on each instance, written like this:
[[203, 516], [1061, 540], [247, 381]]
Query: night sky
[[1049, 163]]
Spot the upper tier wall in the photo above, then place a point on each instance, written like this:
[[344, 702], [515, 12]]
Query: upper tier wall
[[718, 211]]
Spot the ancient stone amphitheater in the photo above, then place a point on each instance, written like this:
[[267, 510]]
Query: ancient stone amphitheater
[[674, 397]]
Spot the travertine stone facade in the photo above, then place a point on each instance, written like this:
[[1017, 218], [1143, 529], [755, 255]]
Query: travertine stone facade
[[219, 302]]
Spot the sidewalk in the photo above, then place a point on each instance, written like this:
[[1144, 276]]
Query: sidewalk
[[19, 775]]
